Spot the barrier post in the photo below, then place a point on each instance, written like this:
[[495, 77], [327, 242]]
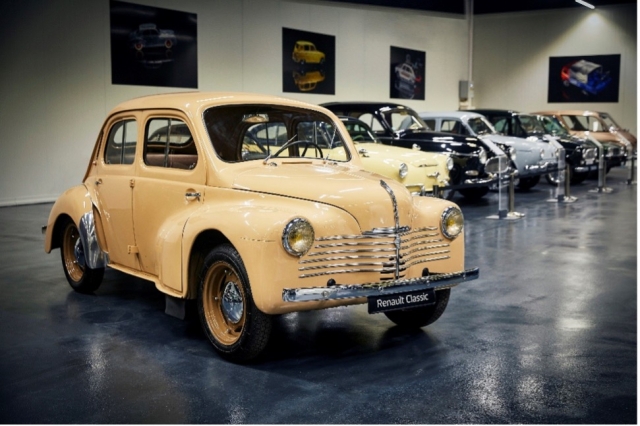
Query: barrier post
[[602, 168], [509, 214], [563, 176]]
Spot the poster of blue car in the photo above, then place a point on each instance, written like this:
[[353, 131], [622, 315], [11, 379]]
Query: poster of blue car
[[594, 78], [151, 46]]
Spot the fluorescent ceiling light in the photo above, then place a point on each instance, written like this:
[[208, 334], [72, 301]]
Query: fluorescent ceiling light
[[584, 3]]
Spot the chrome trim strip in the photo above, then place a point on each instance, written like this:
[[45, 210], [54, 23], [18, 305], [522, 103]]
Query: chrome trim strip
[[336, 292], [321, 253], [332, 259]]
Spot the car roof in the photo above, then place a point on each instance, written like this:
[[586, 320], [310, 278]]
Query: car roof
[[449, 114], [569, 112], [485, 111], [370, 106], [195, 101]]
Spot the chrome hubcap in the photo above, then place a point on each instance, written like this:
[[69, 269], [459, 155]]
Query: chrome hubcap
[[232, 306]]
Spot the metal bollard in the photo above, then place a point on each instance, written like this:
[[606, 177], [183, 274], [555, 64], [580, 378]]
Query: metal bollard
[[511, 214], [630, 179], [565, 195], [602, 168]]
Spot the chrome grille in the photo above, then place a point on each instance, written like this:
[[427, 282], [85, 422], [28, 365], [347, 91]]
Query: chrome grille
[[387, 252]]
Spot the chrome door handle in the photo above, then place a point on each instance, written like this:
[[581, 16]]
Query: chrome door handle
[[191, 196], [99, 182]]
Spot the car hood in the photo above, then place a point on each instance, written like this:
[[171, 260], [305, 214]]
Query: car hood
[[346, 188], [456, 143], [389, 152]]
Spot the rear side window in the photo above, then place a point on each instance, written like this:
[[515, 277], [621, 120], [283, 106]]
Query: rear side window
[[121, 143], [168, 143]]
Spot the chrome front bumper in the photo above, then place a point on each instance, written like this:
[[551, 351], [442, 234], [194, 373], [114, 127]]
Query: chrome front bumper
[[338, 291]]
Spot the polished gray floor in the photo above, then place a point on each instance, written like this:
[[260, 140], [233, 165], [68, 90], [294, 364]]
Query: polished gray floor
[[548, 334]]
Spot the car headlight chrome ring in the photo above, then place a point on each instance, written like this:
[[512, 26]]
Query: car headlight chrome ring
[[298, 236], [512, 153], [482, 156], [452, 222], [450, 164], [403, 171]]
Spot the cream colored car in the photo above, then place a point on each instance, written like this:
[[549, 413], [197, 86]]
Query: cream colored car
[[417, 170], [189, 192]]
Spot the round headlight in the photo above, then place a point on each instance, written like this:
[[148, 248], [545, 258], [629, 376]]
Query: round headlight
[[452, 222], [541, 154], [450, 163], [512, 153], [298, 236], [482, 156], [403, 170]]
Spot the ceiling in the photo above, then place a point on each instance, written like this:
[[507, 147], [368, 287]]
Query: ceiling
[[484, 6]]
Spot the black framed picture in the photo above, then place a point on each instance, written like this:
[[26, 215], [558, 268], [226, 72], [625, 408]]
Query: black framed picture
[[151, 46], [593, 78], [407, 73], [308, 62]]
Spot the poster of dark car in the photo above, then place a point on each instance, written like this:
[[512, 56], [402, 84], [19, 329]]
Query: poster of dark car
[[308, 62], [407, 73], [151, 46], [593, 78]]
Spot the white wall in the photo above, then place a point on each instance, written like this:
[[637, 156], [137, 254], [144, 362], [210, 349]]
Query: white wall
[[55, 78], [511, 56]]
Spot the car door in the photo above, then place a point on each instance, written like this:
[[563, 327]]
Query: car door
[[112, 190], [168, 189]]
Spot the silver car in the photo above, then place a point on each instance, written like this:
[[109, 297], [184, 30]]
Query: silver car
[[531, 158]]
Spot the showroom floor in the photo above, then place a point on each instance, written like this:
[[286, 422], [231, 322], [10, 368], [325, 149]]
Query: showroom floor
[[546, 335]]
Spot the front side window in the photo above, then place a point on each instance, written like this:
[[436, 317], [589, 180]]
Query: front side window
[[608, 121], [256, 132], [480, 126], [121, 143], [451, 126], [402, 119], [359, 132], [552, 126], [531, 125], [169, 143]]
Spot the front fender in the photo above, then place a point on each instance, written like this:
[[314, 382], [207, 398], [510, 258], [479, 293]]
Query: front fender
[[255, 230]]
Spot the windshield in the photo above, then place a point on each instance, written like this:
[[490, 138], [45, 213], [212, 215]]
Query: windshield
[[530, 124], [360, 132], [552, 126], [608, 121], [480, 126], [257, 132], [403, 119]]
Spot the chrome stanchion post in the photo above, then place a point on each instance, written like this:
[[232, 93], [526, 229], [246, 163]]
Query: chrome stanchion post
[[563, 176], [602, 167], [511, 214], [630, 158]]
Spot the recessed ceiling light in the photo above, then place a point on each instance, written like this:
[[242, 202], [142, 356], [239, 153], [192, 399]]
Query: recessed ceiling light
[[584, 3]]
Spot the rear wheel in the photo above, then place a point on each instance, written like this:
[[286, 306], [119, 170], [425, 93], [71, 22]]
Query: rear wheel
[[229, 317], [423, 315], [81, 278]]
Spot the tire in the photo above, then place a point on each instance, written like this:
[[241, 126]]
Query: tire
[[528, 183], [474, 194], [423, 315], [81, 278], [235, 326]]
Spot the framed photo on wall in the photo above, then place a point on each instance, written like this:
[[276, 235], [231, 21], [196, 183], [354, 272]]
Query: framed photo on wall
[[151, 46], [308, 62], [584, 78], [407, 73]]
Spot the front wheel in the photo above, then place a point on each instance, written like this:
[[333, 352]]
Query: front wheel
[[423, 315], [81, 278], [229, 317], [474, 194], [528, 183]]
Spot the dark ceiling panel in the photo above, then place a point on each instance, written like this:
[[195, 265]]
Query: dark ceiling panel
[[483, 6]]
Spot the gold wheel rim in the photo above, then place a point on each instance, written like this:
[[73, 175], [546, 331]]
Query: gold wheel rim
[[225, 324], [71, 264]]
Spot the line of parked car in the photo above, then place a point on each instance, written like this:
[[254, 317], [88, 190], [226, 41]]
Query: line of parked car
[[255, 206], [472, 142]]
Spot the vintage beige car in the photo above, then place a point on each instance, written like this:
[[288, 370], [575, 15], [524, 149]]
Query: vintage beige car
[[178, 192]]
